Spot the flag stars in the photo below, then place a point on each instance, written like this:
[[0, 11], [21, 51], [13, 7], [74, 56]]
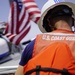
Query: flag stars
[[19, 5]]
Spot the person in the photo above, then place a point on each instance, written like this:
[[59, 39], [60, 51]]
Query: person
[[56, 22]]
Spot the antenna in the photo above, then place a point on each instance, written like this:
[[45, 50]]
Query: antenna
[[10, 1]]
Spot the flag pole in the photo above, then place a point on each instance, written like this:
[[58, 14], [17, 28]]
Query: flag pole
[[10, 2]]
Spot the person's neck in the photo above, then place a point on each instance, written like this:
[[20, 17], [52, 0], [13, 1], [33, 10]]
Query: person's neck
[[65, 28], [63, 25]]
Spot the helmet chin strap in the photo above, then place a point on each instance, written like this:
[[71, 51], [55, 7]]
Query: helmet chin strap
[[74, 26]]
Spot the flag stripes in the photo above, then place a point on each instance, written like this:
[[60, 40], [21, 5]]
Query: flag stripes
[[21, 13]]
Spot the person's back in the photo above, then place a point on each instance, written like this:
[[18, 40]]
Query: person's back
[[56, 58]]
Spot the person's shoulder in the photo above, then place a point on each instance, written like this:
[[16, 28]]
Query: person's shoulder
[[31, 43]]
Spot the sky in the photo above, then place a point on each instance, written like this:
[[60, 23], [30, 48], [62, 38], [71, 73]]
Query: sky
[[4, 8]]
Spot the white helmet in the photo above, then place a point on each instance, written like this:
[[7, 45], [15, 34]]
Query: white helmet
[[51, 4]]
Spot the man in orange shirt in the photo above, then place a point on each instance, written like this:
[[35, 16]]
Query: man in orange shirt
[[57, 20]]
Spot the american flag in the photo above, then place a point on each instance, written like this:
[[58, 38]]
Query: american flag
[[21, 13]]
